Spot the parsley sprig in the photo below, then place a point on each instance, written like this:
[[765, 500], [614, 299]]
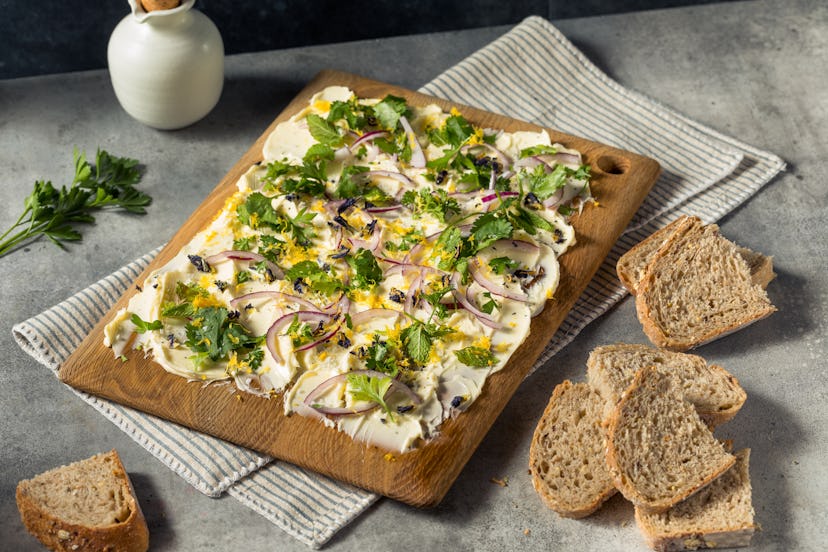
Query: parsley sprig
[[55, 212]]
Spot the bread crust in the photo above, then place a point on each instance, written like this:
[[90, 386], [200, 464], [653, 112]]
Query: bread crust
[[131, 535], [622, 483]]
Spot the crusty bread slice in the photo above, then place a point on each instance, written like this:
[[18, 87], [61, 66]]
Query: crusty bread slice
[[566, 458], [714, 392], [697, 288], [86, 505], [633, 264], [659, 451], [718, 516]]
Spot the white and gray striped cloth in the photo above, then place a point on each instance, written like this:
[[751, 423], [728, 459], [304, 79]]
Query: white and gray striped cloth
[[531, 73]]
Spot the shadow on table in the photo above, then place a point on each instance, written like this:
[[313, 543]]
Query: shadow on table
[[161, 536]]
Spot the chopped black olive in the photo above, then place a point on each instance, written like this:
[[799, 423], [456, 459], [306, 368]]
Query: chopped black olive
[[299, 285], [441, 177], [292, 196], [484, 161], [221, 285], [320, 329], [540, 274], [404, 409], [171, 340], [456, 401], [531, 201], [343, 341], [369, 228], [232, 315], [138, 288], [371, 120], [248, 306], [347, 204], [200, 264], [396, 295], [523, 273], [269, 276]]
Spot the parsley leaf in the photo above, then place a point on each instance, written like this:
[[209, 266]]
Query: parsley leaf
[[389, 110], [437, 203], [366, 272], [380, 358], [502, 265], [476, 357], [371, 389], [323, 131], [213, 334]]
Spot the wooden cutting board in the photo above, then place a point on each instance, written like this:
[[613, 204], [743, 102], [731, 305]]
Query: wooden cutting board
[[423, 476]]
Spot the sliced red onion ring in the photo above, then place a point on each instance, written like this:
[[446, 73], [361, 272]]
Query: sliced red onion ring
[[287, 297], [342, 154], [465, 300], [367, 137], [418, 158], [362, 317], [386, 209], [502, 157], [562, 157], [494, 287], [387, 174], [319, 390], [322, 339], [492, 197], [413, 289], [285, 320], [561, 196], [235, 255]]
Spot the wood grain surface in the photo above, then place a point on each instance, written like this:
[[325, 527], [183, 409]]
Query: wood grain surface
[[421, 477]]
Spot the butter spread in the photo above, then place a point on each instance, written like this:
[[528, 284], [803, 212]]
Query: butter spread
[[372, 271]]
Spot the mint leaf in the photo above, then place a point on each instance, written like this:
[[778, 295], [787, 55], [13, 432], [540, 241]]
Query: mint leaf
[[417, 342]]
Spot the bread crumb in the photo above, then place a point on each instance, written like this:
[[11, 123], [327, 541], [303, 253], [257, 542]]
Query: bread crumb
[[504, 482]]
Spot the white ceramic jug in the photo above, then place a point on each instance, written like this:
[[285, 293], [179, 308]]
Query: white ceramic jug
[[166, 66]]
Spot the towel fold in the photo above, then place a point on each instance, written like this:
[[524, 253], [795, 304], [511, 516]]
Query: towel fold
[[531, 73]]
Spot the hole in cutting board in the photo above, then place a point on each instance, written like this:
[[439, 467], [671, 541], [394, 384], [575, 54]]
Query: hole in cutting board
[[612, 165]]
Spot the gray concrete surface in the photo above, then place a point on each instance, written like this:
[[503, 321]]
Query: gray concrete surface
[[755, 70]]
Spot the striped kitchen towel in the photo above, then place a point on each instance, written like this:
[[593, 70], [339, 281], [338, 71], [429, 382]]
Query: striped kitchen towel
[[532, 73]]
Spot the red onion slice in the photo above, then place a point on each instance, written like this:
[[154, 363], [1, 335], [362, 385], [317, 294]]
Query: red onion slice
[[362, 317], [235, 255], [492, 197], [501, 156], [464, 299], [380, 210], [387, 174], [319, 390], [321, 340], [367, 137], [494, 287], [285, 320], [418, 159]]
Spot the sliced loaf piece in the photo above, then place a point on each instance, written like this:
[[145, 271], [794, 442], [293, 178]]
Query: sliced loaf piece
[[697, 288], [718, 516], [566, 458], [86, 505], [714, 392], [659, 451], [633, 264]]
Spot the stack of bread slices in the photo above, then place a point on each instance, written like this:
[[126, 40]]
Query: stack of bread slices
[[692, 285], [642, 425]]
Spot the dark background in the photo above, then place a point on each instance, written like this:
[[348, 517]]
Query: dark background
[[53, 36]]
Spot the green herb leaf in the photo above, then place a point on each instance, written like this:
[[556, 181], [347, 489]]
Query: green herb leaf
[[366, 272], [502, 265], [538, 150], [142, 326], [476, 357], [380, 358], [371, 389], [214, 334], [314, 277], [389, 110], [323, 131], [489, 228]]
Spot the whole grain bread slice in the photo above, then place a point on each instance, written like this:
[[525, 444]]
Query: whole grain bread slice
[[86, 505], [714, 392], [697, 288], [719, 516], [659, 451], [566, 457], [632, 265]]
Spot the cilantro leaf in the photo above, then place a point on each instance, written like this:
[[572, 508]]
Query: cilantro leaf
[[437, 203], [502, 265], [489, 228], [476, 357], [314, 277]]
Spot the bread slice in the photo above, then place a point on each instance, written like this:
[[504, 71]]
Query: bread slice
[[633, 264], [659, 451], [566, 458], [718, 516], [697, 288], [714, 392], [87, 505]]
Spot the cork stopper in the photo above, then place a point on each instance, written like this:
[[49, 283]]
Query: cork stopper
[[156, 5]]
